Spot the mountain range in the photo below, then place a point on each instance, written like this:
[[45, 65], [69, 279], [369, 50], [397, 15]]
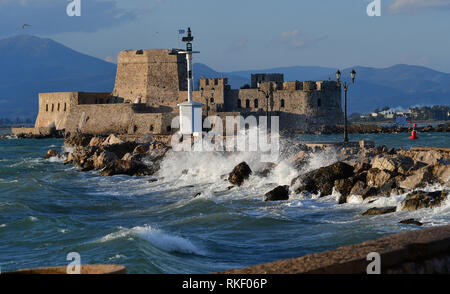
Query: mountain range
[[29, 65]]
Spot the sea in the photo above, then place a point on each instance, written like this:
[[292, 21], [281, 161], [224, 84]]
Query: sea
[[48, 210]]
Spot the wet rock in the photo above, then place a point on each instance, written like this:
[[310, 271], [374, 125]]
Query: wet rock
[[392, 163], [51, 153], [277, 194], [344, 186], [361, 167], [126, 167], [120, 149], [96, 141], [111, 140], [78, 139], [358, 188], [141, 149], [104, 158], [377, 177], [152, 180], [379, 210], [420, 178], [239, 174], [410, 221], [442, 173], [421, 199], [322, 179]]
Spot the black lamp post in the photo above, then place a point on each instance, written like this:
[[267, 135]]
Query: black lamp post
[[346, 86], [267, 94]]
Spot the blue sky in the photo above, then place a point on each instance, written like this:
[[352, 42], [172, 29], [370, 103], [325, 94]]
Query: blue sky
[[248, 34]]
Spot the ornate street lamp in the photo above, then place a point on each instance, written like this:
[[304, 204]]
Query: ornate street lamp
[[346, 86]]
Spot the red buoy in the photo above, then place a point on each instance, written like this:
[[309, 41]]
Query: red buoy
[[413, 135]]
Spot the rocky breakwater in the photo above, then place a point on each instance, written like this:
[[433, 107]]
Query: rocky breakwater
[[113, 155], [364, 174]]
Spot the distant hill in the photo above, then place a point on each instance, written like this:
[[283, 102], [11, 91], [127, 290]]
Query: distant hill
[[29, 65]]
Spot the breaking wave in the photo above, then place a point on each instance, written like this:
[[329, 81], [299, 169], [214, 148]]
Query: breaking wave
[[158, 238]]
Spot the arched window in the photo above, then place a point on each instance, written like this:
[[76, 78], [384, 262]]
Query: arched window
[[46, 107], [256, 103], [319, 103], [282, 103], [247, 103], [239, 105]]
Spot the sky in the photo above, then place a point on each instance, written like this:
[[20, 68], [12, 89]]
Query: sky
[[247, 34]]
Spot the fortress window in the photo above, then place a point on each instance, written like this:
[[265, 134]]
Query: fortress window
[[46, 107], [256, 103], [247, 103], [319, 103], [168, 129], [53, 107], [58, 107], [216, 82], [139, 52], [152, 128], [211, 100], [239, 105], [207, 82], [282, 102], [65, 106]]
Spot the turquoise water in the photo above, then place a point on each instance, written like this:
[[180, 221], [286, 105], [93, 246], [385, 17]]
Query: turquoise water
[[48, 209]]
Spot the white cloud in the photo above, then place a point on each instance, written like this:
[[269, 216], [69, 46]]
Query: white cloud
[[295, 39], [404, 6]]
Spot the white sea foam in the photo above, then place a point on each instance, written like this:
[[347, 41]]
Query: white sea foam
[[33, 218], [158, 238]]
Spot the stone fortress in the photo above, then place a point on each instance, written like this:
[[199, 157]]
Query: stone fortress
[[151, 83]]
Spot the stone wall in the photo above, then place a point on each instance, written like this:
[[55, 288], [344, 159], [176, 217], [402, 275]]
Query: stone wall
[[424, 251], [54, 109]]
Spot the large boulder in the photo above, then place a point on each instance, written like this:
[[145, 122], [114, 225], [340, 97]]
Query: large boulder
[[277, 194], [419, 178], [344, 186], [421, 199], [120, 149], [322, 180], [51, 153], [111, 140], [103, 158], [78, 139], [441, 172], [239, 174], [377, 177], [96, 141], [379, 210], [392, 163], [126, 167]]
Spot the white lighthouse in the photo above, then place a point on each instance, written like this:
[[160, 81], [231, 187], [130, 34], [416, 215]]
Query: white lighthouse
[[190, 111]]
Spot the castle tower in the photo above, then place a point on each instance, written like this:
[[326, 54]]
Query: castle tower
[[153, 77]]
